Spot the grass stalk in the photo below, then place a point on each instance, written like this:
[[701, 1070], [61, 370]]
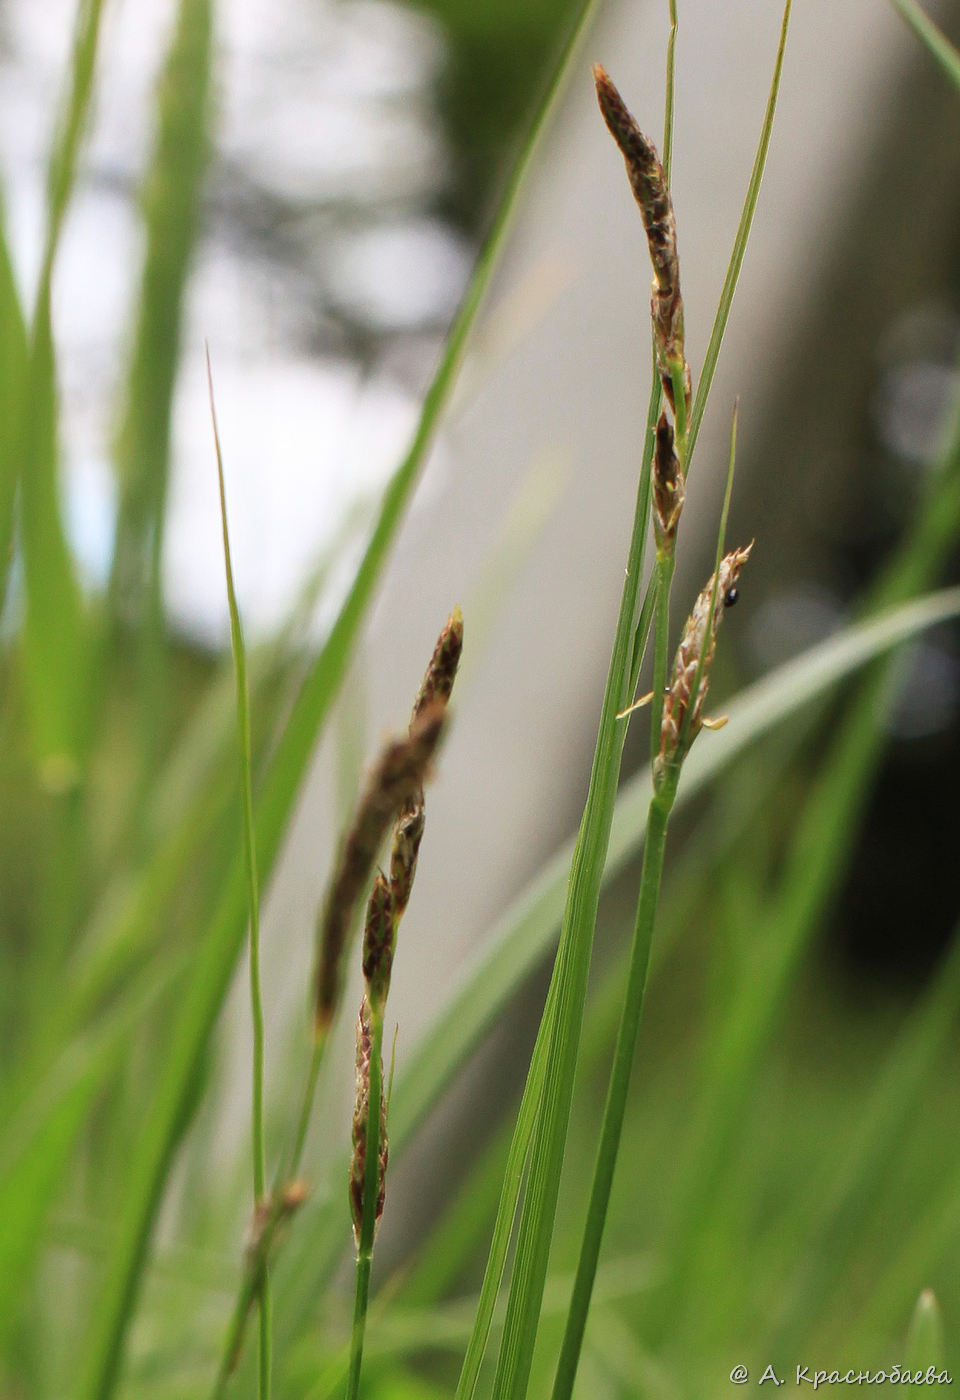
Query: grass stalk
[[618, 1086], [668, 103], [658, 817], [253, 889]]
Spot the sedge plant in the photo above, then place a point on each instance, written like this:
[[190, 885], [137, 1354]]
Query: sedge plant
[[131, 982]]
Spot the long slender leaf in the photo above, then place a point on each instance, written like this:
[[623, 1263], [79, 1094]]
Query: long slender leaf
[[54, 638], [171, 207], [253, 898], [712, 355]]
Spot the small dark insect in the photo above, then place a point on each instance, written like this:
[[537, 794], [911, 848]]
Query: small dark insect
[[730, 597]]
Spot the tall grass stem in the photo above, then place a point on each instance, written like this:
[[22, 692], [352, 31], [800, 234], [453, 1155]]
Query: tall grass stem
[[253, 890]]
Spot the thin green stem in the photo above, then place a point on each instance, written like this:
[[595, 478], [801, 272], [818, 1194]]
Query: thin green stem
[[253, 891], [613, 1115], [306, 1106], [265, 1308], [658, 818], [667, 159], [739, 246], [371, 1172], [250, 1287]]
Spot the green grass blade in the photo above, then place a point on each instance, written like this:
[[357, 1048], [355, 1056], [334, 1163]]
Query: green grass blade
[[712, 355], [506, 1214], [934, 41], [171, 203], [54, 641], [654, 848], [253, 897], [54, 638], [191, 1030]]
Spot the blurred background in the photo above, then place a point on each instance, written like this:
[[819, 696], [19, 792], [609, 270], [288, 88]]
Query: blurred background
[[306, 187]]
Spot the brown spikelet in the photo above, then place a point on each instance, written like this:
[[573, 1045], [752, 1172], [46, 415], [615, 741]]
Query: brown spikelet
[[361, 1116], [435, 688], [378, 940], [407, 835], [668, 485], [652, 194], [396, 778], [699, 640], [438, 679]]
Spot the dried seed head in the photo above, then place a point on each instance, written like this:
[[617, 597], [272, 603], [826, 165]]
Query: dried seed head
[[361, 1114], [668, 485], [652, 194], [378, 941], [438, 679], [695, 652], [396, 778]]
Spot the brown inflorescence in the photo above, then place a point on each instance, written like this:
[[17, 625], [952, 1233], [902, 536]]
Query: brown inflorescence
[[439, 676], [397, 777], [668, 485], [379, 931], [407, 835], [361, 1118], [682, 709], [434, 689], [652, 194]]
